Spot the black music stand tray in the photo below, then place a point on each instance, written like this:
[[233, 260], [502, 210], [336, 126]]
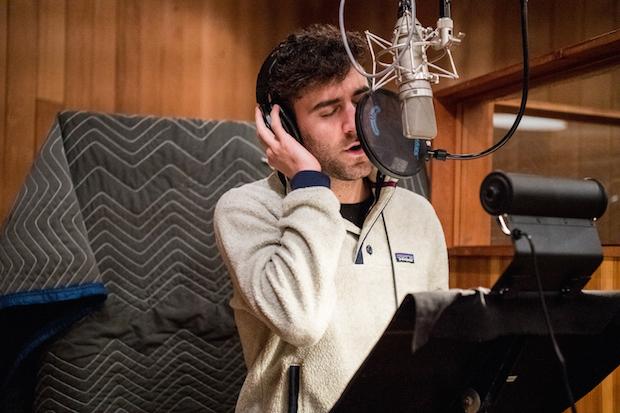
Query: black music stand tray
[[443, 347]]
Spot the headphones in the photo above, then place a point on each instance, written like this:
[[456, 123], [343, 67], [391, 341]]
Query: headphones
[[266, 100]]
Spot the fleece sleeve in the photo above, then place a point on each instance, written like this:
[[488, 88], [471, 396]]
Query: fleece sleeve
[[282, 255]]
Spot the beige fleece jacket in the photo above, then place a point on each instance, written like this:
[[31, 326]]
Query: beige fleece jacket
[[299, 296]]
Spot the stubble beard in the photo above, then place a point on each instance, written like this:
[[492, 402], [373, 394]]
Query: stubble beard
[[336, 168]]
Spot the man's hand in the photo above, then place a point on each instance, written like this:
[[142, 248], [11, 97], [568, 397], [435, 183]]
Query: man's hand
[[283, 152]]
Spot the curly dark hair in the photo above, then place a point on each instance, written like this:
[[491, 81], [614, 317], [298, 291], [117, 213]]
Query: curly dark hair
[[310, 57]]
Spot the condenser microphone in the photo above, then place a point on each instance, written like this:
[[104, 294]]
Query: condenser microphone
[[395, 129], [412, 77]]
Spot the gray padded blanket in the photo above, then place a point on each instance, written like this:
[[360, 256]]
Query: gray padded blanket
[[122, 206], [134, 198], [48, 274]]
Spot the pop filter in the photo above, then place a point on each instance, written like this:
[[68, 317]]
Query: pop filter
[[380, 131]]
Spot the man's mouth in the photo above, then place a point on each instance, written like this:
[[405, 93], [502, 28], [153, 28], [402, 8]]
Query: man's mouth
[[354, 148]]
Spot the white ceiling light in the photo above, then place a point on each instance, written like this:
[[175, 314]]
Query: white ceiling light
[[528, 123]]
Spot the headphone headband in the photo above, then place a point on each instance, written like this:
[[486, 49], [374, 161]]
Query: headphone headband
[[264, 75], [266, 99]]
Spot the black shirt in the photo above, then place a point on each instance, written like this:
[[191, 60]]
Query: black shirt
[[356, 213]]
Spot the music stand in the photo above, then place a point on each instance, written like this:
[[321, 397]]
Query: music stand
[[487, 345]]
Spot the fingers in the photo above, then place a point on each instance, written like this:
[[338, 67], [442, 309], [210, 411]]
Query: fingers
[[265, 135], [270, 143], [283, 152], [276, 122]]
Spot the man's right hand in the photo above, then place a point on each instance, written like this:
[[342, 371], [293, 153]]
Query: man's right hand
[[284, 153]]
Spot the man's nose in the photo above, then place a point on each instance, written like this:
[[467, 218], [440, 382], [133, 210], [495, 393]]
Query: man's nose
[[349, 120]]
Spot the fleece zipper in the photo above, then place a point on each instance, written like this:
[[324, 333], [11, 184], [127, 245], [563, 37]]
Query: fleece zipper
[[293, 388]]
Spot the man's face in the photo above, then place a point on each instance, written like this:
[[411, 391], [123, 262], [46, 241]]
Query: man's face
[[326, 119]]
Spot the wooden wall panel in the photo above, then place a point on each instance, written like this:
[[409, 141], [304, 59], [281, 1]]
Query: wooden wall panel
[[128, 56], [51, 50], [51, 46], [243, 59], [79, 54], [46, 110], [443, 173], [493, 35], [470, 269], [4, 35], [216, 86], [472, 61], [140, 39], [476, 136], [104, 56], [19, 141], [179, 44], [199, 58]]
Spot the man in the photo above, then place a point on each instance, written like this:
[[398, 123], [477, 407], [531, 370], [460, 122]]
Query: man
[[319, 265]]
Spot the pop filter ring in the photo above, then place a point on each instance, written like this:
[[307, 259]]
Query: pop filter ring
[[415, 162]]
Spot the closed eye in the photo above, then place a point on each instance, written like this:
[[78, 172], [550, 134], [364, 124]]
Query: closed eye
[[330, 113]]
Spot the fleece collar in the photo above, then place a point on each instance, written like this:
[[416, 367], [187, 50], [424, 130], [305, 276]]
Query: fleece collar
[[385, 190]]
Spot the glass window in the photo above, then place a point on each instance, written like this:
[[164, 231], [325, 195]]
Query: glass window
[[572, 130]]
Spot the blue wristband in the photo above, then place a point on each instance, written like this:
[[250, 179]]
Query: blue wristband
[[305, 179]]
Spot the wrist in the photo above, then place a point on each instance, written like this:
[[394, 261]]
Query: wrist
[[310, 178]]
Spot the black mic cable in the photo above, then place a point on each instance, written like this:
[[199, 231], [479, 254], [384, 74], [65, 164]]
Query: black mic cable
[[516, 234], [442, 154]]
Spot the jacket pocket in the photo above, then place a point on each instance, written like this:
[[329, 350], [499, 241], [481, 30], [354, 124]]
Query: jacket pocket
[[294, 372]]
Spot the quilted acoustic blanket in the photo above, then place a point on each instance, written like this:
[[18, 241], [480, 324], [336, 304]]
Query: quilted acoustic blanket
[[122, 206]]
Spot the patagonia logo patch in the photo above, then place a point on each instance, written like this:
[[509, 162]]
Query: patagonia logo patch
[[404, 257]]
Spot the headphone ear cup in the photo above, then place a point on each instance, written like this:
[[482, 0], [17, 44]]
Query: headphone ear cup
[[265, 111], [289, 124], [266, 101]]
